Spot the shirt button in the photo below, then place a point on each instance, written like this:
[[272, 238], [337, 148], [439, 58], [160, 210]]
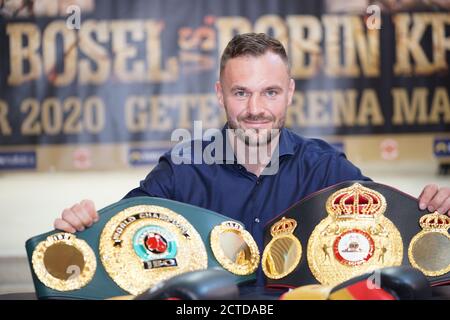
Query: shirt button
[[256, 220], [258, 181]]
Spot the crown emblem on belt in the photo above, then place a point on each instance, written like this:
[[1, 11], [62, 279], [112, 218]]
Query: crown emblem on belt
[[435, 221], [284, 226], [357, 202], [233, 225]]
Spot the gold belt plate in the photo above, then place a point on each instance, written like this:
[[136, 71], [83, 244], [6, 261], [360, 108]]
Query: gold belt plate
[[429, 250], [63, 262], [234, 248], [283, 253], [355, 238], [145, 244]]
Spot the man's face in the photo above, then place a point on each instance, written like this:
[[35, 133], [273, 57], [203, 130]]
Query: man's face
[[255, 92]]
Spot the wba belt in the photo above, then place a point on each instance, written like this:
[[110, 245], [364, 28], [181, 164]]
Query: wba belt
[[137, 243], [350, 229]]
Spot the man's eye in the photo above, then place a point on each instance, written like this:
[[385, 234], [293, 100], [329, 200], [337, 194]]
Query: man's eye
[[271, 93], [240, 94]]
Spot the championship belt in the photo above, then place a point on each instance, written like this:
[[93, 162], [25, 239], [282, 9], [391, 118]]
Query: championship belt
[[350, 229], [137, 243]]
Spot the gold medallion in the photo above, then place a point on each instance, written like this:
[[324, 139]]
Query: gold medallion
[[355, 238], [234, 248], [145, 244], [62, 262], [429, 250], [282, 254]]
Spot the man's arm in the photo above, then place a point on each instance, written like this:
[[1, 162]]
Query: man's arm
[[158, 183], [338, 168], [432, 197], [78, 217]]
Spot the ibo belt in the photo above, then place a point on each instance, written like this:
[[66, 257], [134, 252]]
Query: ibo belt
[[137, 243], [350, 229]]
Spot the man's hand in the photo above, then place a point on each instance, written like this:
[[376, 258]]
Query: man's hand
[[434, 199], [78, 217]]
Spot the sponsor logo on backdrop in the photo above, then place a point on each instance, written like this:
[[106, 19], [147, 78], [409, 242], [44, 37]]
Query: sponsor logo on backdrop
[[18, 160], [389, 149], [144, 156], [442, 147], [82, 159]]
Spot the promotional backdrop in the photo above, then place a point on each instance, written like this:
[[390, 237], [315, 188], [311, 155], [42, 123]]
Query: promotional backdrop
[[102, 84]]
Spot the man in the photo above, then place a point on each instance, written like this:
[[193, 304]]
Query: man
[[255, 90]]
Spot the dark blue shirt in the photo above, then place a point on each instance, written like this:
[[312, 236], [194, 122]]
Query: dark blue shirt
[[305, 166]]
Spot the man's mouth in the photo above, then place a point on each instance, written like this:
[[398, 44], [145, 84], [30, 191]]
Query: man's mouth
[[256, 122]]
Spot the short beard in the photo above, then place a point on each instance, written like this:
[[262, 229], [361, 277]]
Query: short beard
[[256, 137]]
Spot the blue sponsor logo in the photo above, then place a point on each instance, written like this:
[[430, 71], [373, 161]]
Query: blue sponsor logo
[[17, 160], [143, 157], [441, 147]]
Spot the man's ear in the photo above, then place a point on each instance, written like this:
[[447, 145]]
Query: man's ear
[[291, 91], [219, 93]]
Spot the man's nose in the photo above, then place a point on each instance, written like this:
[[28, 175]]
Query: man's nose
[[254, 105]]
